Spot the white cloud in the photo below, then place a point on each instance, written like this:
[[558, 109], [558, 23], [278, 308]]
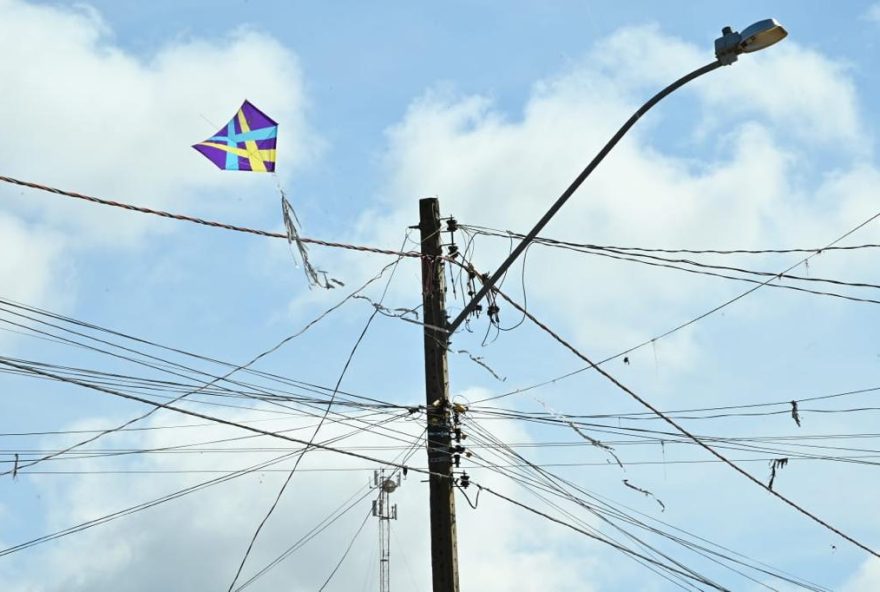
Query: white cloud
[[87, 115], [806, 94], [31, 260], [867, 579], [198, 540], [740, 185], [488, 167], [81, 113]]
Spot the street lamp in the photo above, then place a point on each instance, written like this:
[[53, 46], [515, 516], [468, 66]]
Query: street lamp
[[755, 37]]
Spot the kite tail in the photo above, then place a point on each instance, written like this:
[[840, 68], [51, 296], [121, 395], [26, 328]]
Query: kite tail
[[316, 277]]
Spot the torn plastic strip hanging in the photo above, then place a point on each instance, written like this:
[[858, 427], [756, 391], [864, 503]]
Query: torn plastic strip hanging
[[316, 277]]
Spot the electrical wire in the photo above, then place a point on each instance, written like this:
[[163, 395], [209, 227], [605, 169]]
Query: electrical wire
[[318, 427], [688, 434], [6, 304], [716, 308], [403, 458], [606, 510], [227, 375], [779, 251], [174, 495], [215, 419], [201, 221], [345, 553]]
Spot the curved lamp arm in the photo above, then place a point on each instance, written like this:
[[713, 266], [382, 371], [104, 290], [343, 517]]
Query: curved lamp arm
[[490, 283]]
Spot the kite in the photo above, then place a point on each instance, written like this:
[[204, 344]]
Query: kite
[[246, 143]]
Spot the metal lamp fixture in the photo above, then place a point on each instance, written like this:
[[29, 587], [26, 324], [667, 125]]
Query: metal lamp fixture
[[753, 38], [727, 48]]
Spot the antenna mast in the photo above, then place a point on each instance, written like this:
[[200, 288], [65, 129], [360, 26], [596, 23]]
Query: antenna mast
[[385, 512]]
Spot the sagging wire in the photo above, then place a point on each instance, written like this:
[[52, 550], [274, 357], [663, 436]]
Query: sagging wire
[[463, 483], [525, 295], [469, 290], [555, 490], [215, 379], [326, 412], [605, 512]]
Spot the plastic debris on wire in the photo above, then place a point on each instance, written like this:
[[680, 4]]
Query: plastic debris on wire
[[316, 277]]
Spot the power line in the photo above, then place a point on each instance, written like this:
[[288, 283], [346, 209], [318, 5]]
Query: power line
[[287, 481], [203, 222], [787, 402], [163, 364], [685, 432], [214, 419], [754, 281], [199, 449], [599, 538], [607, 511], [345, 553], [705, 314], [549, 241], [215, 380], [346, 418], [317, 428], [747, 292], [676, 264], [404, 456], [314, 532], [172, 496], [681, 415]]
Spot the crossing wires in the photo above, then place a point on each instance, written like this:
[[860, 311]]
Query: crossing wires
[[678, 427]]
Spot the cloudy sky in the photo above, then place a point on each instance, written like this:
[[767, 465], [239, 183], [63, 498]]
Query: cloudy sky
[[493, 108]]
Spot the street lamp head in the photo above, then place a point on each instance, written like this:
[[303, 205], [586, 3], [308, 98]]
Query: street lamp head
[[762, 34], [753, 38]]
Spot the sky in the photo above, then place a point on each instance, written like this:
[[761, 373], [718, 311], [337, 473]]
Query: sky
[[493, 108]]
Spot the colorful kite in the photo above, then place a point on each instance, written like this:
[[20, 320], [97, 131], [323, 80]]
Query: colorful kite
[[247, 143]]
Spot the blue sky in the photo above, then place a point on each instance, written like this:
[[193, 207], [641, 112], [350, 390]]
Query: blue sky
[[493, 108]]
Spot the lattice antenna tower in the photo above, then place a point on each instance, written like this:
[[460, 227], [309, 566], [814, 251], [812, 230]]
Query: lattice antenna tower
[[385, 512]]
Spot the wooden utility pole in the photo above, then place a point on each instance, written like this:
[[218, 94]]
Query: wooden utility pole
[[444, 551]]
